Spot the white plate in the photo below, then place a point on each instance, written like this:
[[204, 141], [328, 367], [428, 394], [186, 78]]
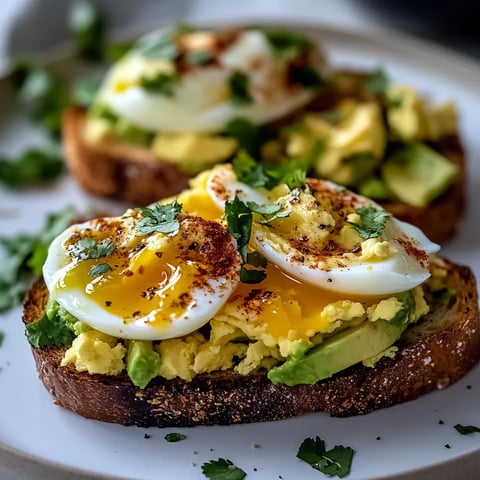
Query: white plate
[[39, 439]]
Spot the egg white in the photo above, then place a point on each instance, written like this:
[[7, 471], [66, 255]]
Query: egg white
[[399, 272], [201, 100], [208, 297]]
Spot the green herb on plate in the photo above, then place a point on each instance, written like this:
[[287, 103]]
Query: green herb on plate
[[222, 469]]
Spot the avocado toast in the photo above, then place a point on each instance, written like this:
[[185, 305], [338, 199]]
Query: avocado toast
[[357, 315]]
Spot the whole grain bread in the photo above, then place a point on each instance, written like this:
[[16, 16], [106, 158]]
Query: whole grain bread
[[131, 173], [449, 337]]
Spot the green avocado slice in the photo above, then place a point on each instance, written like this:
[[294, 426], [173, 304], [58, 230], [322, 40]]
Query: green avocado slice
[[339, 352]]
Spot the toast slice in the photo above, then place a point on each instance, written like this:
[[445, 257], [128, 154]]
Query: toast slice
[[131, 173], [449, 337]]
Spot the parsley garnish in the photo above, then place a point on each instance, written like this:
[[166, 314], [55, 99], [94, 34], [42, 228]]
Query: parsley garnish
[[372, 222], [159, 45], [31, 168], [287, 44], [99, 269], [159, 218], [307, 77], [24, 258], [239, 89], [466, 429], [174, 437], [48, 332], [222, 469], [334, 462], [87, 248], [269, 212], [199, 57], [257, 175], [377, 82], [162, 83], [248, 135], [87, 28], [2, 335], [239, 223]]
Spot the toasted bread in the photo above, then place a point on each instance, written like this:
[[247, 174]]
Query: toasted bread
[[449, 337]]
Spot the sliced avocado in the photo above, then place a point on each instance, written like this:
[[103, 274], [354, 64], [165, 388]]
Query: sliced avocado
[[143, 362], [417, 174], [339, 352]]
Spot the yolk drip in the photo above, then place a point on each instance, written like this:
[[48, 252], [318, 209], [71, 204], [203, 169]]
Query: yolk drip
[[150, 285], [295, 305]]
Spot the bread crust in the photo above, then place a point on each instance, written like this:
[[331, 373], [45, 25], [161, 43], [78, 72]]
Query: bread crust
[[450, 340], [132, 174]]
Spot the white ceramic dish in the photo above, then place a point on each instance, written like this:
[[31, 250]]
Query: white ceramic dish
[[413, 440]]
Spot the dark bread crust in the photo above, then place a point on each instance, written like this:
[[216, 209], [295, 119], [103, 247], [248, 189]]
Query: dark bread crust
[[132, 174], [119, 170], [449, 339]]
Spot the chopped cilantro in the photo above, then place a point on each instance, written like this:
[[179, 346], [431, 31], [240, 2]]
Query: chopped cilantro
[[239, 224], [45, 95], [160, 218], [87, 248], [258, 175], [408, 308], [162, 83], [377, 82], [307, 77], [174, 437], [287, 44], [249, 136], [334, 462], [84, 91], [466, 429], [252, 276], [239, 89], [33, 167], [24, 258], [222, 469], [372, 222], [48, 332], [270, 212], [199, 57], [99, 269], [87, 27], [256, 259], [1, 337]]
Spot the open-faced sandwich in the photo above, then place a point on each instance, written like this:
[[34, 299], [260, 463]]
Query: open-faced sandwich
[[255, 295], [182, 100]]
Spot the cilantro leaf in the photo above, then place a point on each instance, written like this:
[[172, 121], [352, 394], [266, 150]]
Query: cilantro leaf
[[2, 335], [160, 218], [45, 96], [249, 136], [256, 259], [251, 275], [162, 83], [270, 212], [240, 94], [307, 77], [24, 256], [87, 248], [377, 82], [33, 167], [48, 332], [239, 224], [174, 437], [84, 91], [222, 469], [286, 44], [372, 222], [199, 57], [87, 27], [334, 462], [258, 175], [466, 429], [99, 269], [160, 45]]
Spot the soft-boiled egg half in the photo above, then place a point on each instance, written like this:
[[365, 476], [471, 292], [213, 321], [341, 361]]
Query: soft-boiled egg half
[[146, 287], [197, 81], [318, 242]]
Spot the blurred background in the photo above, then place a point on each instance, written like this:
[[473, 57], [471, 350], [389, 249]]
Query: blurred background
[[32, 26]]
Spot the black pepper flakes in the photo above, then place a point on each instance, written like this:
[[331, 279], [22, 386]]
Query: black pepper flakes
[[441, 422], [447, 445], [378, 438], [146, 435], [108, 303]]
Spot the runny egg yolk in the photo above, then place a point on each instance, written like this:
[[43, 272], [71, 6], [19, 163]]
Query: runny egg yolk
[[151, 285], [288, 304]]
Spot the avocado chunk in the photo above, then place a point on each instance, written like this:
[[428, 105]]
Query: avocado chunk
[[339, 352], [417, 174], [143, 362]]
